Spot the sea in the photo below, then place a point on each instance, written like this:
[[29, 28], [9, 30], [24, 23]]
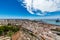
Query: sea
[[54, 22]]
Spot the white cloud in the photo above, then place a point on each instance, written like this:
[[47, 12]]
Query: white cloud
[[43, 5]]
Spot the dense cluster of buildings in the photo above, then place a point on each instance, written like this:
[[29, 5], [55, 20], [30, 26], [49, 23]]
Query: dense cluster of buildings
[[10, 21], [38, 28]]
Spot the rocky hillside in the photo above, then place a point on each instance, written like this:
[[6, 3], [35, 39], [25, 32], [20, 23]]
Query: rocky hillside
[[32, 30]]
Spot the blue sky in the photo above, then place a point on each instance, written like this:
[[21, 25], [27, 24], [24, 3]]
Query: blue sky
[[13, 9]]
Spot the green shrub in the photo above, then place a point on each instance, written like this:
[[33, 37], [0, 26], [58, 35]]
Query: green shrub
[[8, 29], [10, 33], [1, 32]]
